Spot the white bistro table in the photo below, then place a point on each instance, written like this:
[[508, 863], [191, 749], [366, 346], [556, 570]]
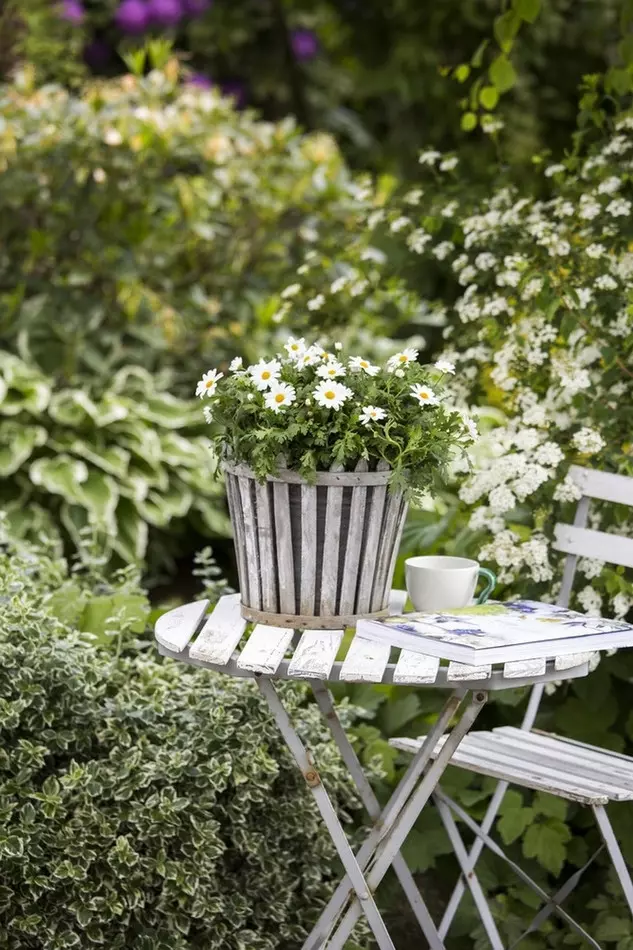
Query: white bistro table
[[217, 641]]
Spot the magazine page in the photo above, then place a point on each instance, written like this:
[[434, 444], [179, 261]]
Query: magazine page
[[510, 624]]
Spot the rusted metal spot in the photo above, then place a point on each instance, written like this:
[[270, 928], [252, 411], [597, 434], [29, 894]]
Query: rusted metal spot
[[312, 777]]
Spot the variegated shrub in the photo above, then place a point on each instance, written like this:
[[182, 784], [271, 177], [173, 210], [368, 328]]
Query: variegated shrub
[[145, 804]]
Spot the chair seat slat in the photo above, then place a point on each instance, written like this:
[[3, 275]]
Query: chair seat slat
[[264, 649], [517, 668], [365, 662], [597, 761], [175, 628], [315, 654], [221, 633], [414, 668], [463, 672]]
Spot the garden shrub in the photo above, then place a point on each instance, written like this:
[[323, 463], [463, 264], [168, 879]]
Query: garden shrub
[[150, 223], [130, 459], [145, 804]]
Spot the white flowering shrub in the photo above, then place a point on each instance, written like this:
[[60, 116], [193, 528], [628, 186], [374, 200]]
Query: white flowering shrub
[[316, 408], [543, 330]]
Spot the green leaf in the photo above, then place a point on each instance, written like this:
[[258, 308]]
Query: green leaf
[[12, 847], [612, 929], [167, 411], [625, 49], [160, 507], [502, 74], [489, 97], [513, 823], [111, 458], [528, 10], [72, 407], [545, 804], [462, 73], [546, 843], [62, 475], [111, 612], [17, 444], [130, 542], [505, 29], [478, 56], [395, 714], [99, 495], [469, 121]]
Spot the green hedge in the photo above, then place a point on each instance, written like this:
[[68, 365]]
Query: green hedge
[[144, 804]]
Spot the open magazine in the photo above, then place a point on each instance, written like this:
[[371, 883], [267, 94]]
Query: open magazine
[[496, 632]]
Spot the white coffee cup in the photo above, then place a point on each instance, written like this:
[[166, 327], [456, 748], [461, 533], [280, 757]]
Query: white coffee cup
[[442, 583]]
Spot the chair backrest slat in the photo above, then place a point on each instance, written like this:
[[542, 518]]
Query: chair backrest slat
[[583, 542], [603, 485]]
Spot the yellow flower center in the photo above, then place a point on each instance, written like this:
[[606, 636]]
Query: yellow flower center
[[423, 395], [403, 358], [364, 364], [209, 383], [331, 372], [329, 394], [279, 397], [265, 374]]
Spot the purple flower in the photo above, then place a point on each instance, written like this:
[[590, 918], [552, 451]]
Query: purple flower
[[132, 16], [304, 43], [196, 7], [72, 11], [200, 80], [236, 90], [165, 12]]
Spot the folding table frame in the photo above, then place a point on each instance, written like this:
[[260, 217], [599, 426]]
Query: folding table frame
[[271, 653]]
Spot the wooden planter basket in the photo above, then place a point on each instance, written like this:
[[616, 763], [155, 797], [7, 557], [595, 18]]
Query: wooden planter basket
[[316, 555]]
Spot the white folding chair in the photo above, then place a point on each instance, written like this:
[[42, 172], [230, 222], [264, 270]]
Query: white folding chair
[[536, 760]]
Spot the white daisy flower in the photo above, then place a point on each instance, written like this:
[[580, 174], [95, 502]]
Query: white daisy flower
[[208, 414], [331, 370], [424, 395], [445, 366], [309, 357], [371, 414], [236, 364], [208, 384], [279, 396], [331, 394], [295, 347], [357, 363], [402, 359], [265, 373]]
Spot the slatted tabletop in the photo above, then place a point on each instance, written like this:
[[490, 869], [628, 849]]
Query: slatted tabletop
[[223, 641]]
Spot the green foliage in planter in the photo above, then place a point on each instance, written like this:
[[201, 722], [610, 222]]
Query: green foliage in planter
[[125, 461], [149, 222], [145, 804]]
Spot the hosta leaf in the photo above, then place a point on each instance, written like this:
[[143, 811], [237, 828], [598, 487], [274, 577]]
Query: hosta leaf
[[133, 379], [177, 450], [167, 411], [29, 520], [3, 390], [62, 475], [110, 409], [130, 541], [142, 442], [213, 516], [160, 507], [135, 487], [99, 495], [17, 444], [72, 407], [111, 458]]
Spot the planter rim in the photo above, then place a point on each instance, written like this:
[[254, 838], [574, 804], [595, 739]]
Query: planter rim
[[288, 476]]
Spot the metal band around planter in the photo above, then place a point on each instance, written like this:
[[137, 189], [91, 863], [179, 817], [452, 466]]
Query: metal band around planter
[[342, 479], [315, 555]]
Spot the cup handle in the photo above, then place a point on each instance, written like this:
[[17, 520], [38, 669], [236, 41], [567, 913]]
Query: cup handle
[[491, 581]]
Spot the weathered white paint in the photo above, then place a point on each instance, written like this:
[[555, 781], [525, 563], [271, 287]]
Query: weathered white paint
[[415, 668], [175, 628], [315, 654], [308, 549], [603, 485], [265, 649], [463, 672], [331, 545], [365, 661], [597, 544], [354, 548], [519, 668], [221, 633], [573, 659], [285, 555]]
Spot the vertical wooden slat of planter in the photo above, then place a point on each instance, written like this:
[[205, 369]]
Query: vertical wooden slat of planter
[[250, 537], [307, 575], [402, 519], [371, 545], [331, 543], [235, 507], [285, 556], [354, 543], [265, 528], [390, 540]]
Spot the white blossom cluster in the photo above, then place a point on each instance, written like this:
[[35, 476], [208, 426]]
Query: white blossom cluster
[[543, 327]]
